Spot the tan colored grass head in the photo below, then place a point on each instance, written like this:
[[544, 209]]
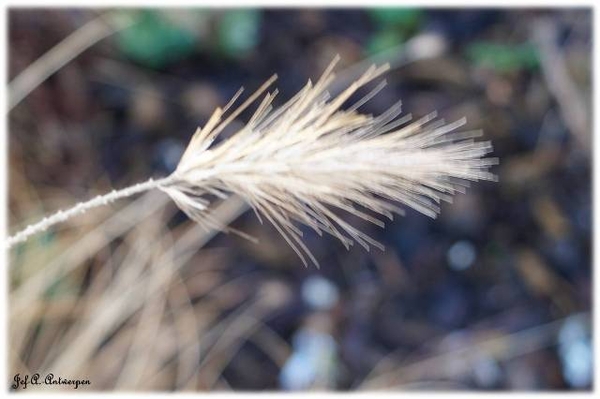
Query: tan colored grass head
[[308, 159]]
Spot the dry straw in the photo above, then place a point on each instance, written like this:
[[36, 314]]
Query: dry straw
[[305, 161]]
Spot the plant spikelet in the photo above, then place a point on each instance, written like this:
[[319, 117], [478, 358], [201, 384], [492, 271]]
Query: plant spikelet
[[310, 159]]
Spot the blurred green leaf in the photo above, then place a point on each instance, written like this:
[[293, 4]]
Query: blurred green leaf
[[154, 40], [384, 40], [407, 19], [502, 57], [238, 32]]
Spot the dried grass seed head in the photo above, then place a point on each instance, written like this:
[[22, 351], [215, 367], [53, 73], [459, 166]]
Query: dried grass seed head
[[309, 158]]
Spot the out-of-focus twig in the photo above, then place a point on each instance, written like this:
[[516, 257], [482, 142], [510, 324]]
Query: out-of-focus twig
[[554, 69], [503, 347], [116, 225], [78, 41]]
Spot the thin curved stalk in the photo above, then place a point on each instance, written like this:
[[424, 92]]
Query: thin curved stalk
[[73, 45], [82, 207]]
